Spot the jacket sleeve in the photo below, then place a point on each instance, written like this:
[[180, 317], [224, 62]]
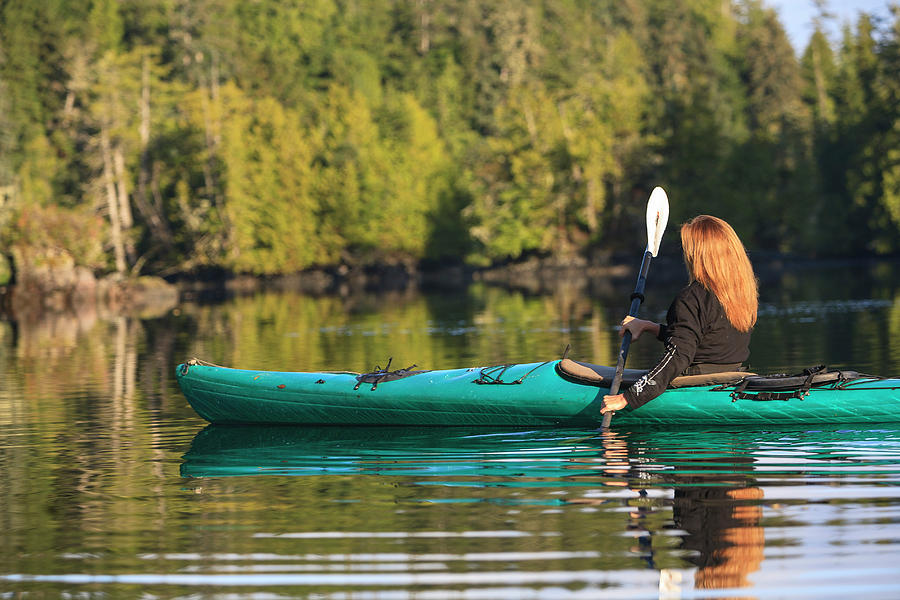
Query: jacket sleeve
[[663, 332], [682, 333]]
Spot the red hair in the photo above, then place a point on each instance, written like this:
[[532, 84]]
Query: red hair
[[717, 260]]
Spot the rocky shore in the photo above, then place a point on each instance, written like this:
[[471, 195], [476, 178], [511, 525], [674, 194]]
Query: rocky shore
[[62, 288], [59, 286]]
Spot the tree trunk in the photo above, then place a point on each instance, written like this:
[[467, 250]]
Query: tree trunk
[[213, 128], [424, 26], [122, 188], [151, 214], [591, 203], [112, 202], [125, 216]]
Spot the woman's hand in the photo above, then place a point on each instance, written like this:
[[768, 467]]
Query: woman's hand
[[613, 403], [637, 327]]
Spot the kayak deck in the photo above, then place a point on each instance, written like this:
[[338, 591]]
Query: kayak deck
[[521, 395], [431, 398]]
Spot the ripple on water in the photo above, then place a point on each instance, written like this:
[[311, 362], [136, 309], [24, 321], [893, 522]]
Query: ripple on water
[[494, 514]]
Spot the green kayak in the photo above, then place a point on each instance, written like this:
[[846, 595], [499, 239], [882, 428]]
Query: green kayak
[[556, 393]]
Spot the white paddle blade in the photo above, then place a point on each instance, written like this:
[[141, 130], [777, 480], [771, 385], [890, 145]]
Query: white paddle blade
[[657, 217]]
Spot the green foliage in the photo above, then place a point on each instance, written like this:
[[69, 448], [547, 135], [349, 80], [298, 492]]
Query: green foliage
[[5, 270], [55, 236], [859, 159], [267, 165], [267, 137], [819, 74], [105, 24], [776, 153]]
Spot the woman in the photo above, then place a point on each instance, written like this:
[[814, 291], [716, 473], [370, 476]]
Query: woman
[[708, 326]]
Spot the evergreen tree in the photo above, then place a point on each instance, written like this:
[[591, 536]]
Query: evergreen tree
[[819, 71], [774, 163], [268, 137], [859, 159]]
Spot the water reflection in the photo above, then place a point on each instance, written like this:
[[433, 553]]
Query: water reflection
[[721, 515], [95, 490], [813, 321], [803, 321], [281, 331], [687, 504]]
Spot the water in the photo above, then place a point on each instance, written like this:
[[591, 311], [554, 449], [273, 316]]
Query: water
[[110, 486]]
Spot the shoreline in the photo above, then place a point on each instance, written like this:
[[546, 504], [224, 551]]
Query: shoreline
[[44, 293]]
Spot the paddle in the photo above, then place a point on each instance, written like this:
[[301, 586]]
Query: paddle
[[657, 217]]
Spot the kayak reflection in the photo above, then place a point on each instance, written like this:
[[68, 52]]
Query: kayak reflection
[[691, 501], [222, 451]]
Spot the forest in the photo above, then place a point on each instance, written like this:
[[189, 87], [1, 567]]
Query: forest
[[171, 137]]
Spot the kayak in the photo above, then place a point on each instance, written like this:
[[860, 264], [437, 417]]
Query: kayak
[[554, 393]]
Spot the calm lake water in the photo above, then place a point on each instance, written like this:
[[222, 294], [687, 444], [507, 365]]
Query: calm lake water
[[110, 485]]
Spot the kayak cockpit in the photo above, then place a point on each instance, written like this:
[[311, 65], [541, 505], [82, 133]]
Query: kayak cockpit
[[600, 376]]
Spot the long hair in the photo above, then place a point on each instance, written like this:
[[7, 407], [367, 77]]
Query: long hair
[[717, 260]]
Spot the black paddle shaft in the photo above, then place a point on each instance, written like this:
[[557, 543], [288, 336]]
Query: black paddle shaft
[[636, 298]]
